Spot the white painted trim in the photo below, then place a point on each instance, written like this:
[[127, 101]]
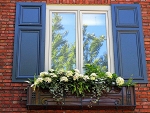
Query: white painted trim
[[79, 9], [47, 41], [109, 42], [77, 41]]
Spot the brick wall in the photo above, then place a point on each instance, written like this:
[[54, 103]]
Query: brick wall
[[11, 94]]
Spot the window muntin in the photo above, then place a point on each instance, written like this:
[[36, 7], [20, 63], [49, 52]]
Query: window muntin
[[80, 13]]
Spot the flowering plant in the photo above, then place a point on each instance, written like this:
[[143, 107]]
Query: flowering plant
[[94, 81]]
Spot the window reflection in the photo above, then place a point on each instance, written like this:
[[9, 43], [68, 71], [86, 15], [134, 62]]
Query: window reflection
[[94, 40], [63, 41]]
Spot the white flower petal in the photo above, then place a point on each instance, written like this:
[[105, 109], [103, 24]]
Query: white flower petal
[[27, 82], [32, 85], [76, 70]]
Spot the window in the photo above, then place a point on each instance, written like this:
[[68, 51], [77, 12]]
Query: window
[[76, 36], [124, 43]]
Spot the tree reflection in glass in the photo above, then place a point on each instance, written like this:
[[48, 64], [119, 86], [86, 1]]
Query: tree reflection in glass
[[94, 40], [64, 37], [63, 41]]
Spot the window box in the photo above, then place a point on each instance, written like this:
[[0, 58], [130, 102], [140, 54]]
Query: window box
[[117, 98]]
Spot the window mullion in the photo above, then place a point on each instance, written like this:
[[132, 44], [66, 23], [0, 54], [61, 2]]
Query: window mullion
[[79, 47], [81, 41]]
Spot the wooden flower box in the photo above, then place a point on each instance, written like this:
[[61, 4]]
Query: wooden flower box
[[123, 98]]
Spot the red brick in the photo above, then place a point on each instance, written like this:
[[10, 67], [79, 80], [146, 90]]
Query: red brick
[[145, 110]]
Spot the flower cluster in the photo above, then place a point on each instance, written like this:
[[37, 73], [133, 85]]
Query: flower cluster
[[94, 81]]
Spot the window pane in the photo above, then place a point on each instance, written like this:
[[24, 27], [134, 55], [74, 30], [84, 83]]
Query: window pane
[[63, 41], [94, 40]]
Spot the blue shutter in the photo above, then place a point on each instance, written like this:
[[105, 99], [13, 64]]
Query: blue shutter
[[29, 40], [129, 52]]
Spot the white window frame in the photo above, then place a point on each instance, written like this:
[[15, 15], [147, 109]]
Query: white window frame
[[79, 10]]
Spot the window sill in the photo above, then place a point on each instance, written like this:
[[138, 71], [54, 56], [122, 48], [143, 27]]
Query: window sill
[[115, 99]]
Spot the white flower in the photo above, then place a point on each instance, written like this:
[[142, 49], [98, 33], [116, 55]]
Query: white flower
[[76, 76], [92, 78], [27, 82], [64, 79], [42, 74], [61, 71], [86, 77], [120, 81], [47, 79], [76, 71], [51, 70], [39, 80], [69, 73], [53, 75], [32, 85], [113, 83], [93, 75], [81, 75], [109, 75]]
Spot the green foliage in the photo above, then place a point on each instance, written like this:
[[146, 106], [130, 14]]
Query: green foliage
[[92, 68], [95, 81], [129, 82]]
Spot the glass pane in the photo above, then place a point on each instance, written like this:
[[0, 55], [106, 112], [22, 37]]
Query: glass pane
[[63, 41], [94, 40]]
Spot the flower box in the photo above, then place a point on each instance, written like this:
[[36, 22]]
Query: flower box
[[116, 98]]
